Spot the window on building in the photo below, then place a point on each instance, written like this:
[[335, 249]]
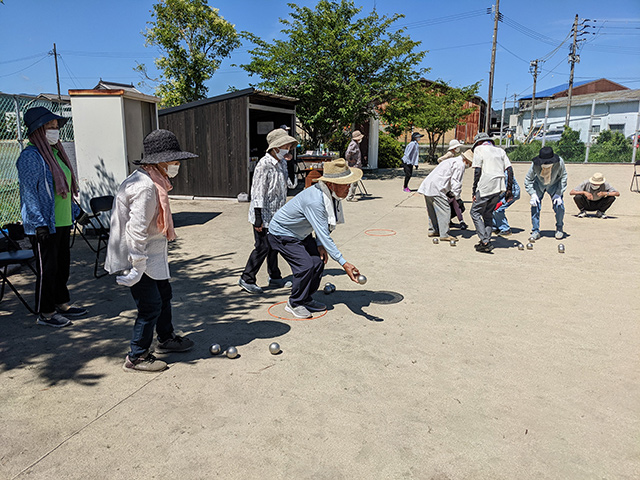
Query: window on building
[[617, 127], [595, 128]]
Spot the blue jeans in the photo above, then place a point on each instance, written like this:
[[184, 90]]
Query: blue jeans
[[153, 299], [499, 217], [535, 215]]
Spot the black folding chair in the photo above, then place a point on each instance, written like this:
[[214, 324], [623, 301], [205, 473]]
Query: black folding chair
[[15, 256], [360, 186], [636, 175], [98, 205]]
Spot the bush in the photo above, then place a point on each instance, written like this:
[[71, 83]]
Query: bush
[[389, 152], [611, 147], [524, 152], [570, 147]]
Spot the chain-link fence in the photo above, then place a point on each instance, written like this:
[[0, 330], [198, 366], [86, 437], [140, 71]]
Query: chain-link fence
[[13, 140]]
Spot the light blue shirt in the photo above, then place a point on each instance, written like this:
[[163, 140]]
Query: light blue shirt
[[411, 153], [305, 214]]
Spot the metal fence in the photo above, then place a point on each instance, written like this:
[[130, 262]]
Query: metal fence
[[13, 140]]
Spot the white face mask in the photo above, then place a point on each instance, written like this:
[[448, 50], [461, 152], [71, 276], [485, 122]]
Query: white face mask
[[172, 170], [281, 152], [53, 136], [595, 187]]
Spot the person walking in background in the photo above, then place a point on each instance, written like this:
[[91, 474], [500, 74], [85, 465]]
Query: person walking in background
[[268, 195], [411, 158], [500, 222], [594, 195], [141, 227], [546, 174], [452, 151], [444, 182], [353, 156], [47, 185], [490, 163]]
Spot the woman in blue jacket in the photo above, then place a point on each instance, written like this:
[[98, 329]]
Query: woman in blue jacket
[[47, 184]]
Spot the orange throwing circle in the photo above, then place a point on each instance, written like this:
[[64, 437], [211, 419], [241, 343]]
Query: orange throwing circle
[[380, 232], [322, 314]]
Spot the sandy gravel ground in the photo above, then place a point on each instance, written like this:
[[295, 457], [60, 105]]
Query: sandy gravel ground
[[447, 365]]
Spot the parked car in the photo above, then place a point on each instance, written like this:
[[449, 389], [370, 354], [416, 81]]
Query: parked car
[[551, 135]]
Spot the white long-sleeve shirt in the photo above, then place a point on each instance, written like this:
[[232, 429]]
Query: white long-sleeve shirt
[[446, 177], [134, 238], [411, 153]]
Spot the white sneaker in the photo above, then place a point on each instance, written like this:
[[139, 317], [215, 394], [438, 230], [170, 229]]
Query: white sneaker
[[582, 214], [299, 312]]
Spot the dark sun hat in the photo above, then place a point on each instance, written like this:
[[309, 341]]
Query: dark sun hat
[[36, 117], [162, 146], [545, 156]]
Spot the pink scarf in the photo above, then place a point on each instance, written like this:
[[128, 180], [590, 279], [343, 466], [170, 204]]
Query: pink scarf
[[39, 139], [163, 185]]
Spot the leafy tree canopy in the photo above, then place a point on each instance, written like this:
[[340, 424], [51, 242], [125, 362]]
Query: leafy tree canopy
[[340, 65], [435, 108], [193, 39]]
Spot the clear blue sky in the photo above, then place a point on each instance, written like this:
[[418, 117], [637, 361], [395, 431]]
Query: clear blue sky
[[103, 40]]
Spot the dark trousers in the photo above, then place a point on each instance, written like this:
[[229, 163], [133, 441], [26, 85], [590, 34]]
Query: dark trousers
[[261, 250], [53, 257], [153, 299], [408, 171], [593, 205], [482, 215], [306, 266]]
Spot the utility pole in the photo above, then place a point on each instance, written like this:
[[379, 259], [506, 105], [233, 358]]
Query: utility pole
[[533, 69], [573, 59], [487, 120], [55, 56]]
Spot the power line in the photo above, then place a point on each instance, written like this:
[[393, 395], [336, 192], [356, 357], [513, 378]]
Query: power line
[[25, 68], [439, 20]]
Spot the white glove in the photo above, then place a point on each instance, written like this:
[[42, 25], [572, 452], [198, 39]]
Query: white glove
[[535, 201], [129, 279], [557, 200]]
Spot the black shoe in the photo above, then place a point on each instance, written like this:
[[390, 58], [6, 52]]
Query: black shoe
[[484, 247], [72, 312], [463, 226]]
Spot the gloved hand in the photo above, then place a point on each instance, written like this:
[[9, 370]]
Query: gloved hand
[[42, 234], [535, 201], [557, 200], [129, 279], [450, 194]]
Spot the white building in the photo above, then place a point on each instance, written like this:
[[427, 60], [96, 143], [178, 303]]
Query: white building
[[617, 111]]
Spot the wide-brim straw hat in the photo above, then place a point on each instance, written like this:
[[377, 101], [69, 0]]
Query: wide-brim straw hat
[[36, 117], [454, 144], [597, 179], [337, 171], [279, 138], [481, 138], [162, 146], [468, 155], [357, 135], [545, 156]]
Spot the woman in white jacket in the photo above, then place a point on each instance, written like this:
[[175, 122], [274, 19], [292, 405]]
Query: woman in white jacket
[[141, 226]]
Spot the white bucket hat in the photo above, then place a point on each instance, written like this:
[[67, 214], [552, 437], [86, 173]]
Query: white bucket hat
[[454, 144], [279, 138]]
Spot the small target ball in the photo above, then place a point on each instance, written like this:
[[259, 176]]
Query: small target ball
[[436, 241], [561, 248], [274, 348], [520, 246], [232, 352], [529, 246], [362, 279], [215, 349]]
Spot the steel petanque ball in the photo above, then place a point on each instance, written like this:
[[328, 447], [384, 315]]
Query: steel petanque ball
[[452, 243], [362, 279], [560, 248], [520, 246], [288, 284], [328, 288], [232, 352], [436, 241], [532, 240], [215, 349], [529, 246], [274, 348]]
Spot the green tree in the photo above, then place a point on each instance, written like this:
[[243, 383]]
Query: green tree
[[339, 64], [193, 39], [435, 108], [570, 147], [611, 147], [389, 151]]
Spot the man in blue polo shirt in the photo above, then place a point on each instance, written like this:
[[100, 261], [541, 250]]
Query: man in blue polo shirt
[[317, 209]]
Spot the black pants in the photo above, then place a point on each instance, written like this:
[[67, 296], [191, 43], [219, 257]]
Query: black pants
[[261, 250], [52, 262], [593, 205], [306, 266], [408, 171]]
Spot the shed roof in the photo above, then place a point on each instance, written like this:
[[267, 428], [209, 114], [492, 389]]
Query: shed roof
[[228, 96], [549, 92], [617, 96]]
